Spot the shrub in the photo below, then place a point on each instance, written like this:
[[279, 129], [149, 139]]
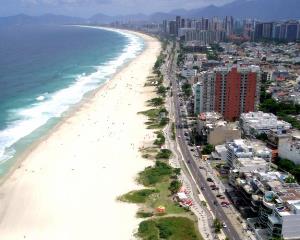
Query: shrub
[[164, 154], [148, 230], [208, 149], [217, 225], [141, 214], [161, 90], [168, 228], [160, 140], [174, 187], [158, 101], [155, 174], [138, 196]]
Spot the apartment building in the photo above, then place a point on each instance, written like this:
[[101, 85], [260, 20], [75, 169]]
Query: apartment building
[[213, 130], [256, 123], [231, 90], [239, 149], [289, 148]]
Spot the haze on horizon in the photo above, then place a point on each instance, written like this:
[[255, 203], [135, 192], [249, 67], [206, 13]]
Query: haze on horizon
[[87, 8]]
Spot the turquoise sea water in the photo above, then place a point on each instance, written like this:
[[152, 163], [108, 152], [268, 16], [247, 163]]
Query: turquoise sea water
[[45, 71]]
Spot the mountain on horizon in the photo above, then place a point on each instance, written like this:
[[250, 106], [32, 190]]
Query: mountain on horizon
[[22, 19], [258, 9]]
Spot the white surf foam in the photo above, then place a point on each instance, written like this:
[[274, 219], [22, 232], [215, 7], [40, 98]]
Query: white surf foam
[[48, 106]]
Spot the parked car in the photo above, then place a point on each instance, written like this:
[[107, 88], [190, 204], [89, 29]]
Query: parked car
[[224, 205]]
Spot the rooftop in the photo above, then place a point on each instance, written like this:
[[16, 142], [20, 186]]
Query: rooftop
[[261, 120]]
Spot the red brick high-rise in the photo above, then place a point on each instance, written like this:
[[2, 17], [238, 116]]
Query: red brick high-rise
[[232, 90]]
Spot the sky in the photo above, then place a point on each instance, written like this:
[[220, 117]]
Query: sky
[[87, 8]]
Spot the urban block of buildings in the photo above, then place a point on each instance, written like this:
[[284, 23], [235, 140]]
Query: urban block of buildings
[[213, 130]]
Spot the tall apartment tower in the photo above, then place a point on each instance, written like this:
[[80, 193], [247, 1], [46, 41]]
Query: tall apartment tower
[[228, 25], [258, 32], [231, 90], [172, 28], [209, 92], [178, 24], [165, 26], [198, 97], [267, 30]]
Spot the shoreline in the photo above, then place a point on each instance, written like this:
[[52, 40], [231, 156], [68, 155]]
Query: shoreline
[[88, 96], [49, 127], [24, 177]]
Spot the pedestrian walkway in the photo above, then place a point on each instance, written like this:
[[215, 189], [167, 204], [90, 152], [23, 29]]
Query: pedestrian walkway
[[201, 212]]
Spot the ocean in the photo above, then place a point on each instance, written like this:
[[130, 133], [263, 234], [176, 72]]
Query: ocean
[[45, 71]]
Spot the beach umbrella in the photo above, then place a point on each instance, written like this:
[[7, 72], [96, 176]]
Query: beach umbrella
[[161, 209]]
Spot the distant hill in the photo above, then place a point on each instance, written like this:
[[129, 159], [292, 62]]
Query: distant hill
[[259, 9], [102, 18], [23, 19]]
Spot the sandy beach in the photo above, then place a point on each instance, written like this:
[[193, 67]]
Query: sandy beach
[[66, 187]]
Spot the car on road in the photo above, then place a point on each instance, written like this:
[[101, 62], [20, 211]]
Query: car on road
[[220, 196], [224, 225], [225, 203], [209, 179]]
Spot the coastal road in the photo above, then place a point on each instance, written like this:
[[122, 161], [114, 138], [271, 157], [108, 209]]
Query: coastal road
[[205, 219], [193, 167]]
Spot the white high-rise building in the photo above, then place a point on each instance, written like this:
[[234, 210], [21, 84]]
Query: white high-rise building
[[198, 97]]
